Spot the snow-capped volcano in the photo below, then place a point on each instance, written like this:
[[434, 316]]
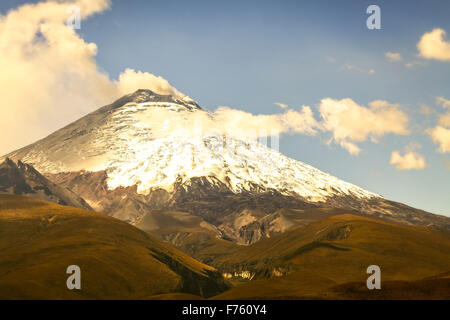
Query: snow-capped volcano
[[149, 152], [152, 141]]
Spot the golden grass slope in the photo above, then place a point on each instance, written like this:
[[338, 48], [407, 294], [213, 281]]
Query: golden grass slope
[[329, 258], [39, 240]]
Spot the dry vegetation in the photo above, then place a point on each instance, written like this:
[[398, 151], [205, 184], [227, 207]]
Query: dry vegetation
[[38, 240]]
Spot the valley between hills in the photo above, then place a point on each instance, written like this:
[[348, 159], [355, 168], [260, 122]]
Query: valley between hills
[[324, 259]]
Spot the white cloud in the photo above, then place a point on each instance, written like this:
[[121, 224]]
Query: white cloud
[[444, 120], [350, 67], [49, 76], [130, 81], [397, 57], [441, 133], [441, 136], [352, 148], [414, 63], [443, 102], [226, 122], [408, 161], [350, 123], [245, 124], [281, 105], [393, 56], [433, 45]]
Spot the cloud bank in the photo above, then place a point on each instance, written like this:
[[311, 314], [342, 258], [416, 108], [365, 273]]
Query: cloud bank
[[49, 75], [227, 122]]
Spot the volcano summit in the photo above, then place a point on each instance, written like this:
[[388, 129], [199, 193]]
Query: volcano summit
[[147, 152]]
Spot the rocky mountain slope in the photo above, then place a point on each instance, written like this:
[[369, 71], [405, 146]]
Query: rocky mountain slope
[[151, 152], [22, 179]]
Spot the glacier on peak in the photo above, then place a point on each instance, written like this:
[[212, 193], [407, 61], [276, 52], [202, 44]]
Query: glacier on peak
[[152, 141]]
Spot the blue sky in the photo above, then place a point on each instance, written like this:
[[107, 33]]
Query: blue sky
[[250, 54]]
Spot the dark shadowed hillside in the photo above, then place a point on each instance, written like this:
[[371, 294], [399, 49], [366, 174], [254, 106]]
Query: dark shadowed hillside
[[22, 179]]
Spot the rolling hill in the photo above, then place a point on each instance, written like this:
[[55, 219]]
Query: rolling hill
[[328, 259], [39, 240]]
